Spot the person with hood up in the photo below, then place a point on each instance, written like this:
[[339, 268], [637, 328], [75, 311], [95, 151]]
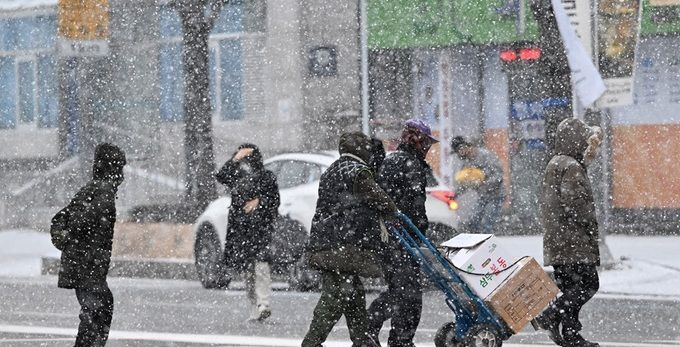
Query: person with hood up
[[488, 184], [570, 242], [403, 176], [254, 207], [86, 254], [345, 239]]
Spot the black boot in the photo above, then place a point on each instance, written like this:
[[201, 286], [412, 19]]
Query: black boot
[[550, 320], [576, 340]]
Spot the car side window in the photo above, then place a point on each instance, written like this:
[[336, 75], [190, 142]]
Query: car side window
[[291, 174], [274, 167], [313, 172]]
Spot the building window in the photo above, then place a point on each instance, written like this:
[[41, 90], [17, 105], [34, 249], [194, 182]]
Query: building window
[[230, 75], [7, 97], [26, 100], [226, 73], [171, 82], [27, 72], [48, 92]]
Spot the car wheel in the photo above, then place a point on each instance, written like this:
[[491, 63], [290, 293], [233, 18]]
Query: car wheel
[[208, 258], [302, 278], [438, 233]]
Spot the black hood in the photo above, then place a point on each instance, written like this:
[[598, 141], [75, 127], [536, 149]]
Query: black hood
[[357, 144], [572, 138], [109, 161], [254, 159]]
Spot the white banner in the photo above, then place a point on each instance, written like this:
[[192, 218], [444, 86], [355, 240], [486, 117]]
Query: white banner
[[580, 17], [586, 80]]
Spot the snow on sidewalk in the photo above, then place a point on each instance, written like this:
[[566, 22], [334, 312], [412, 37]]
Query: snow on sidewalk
[[650, 265], [21, 250]]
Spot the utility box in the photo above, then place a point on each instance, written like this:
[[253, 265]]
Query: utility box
[[480, 261], [524, 294]]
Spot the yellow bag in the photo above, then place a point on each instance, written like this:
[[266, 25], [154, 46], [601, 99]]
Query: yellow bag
[[470, 176]]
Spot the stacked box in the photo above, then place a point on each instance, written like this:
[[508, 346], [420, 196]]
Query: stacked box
[[482, 255], [524, 295]]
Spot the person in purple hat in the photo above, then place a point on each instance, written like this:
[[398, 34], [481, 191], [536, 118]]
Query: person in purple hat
[[403, 176]]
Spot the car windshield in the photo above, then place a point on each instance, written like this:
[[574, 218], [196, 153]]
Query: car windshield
[[293, 173]]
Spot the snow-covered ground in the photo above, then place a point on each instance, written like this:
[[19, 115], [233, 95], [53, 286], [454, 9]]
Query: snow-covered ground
[[649, 265]]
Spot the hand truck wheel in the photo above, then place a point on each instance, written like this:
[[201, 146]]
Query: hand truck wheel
[[483, 335], [446, 336]]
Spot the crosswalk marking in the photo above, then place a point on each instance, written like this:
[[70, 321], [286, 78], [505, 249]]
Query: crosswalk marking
[[231, 340]]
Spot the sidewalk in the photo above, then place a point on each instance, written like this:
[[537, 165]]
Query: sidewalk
[[650, 265]]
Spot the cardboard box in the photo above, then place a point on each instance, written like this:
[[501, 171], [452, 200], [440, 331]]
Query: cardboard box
[[524, 295], [483, 255]]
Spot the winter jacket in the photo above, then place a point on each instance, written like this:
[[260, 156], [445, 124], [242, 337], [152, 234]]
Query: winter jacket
[[249, 234], [349, 210], [91, 216], [403, 176], [568, 208]]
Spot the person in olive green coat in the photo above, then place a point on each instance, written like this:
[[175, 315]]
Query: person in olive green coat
[[570, 242], [345, 240]]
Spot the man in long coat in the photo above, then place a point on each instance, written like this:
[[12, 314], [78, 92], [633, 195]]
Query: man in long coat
[[570, 242]]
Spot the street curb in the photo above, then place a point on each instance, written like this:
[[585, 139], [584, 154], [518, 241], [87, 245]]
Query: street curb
[[171, 269], [135, 268]]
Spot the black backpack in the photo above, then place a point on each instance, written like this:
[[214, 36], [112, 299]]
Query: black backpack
[[59, 230]]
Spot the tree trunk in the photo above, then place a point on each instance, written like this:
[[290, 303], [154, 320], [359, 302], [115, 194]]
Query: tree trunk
[[198, 142]]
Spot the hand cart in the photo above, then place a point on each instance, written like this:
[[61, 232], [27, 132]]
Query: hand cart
[[474, 324]]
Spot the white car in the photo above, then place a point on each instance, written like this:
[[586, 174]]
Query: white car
[[298, 177]]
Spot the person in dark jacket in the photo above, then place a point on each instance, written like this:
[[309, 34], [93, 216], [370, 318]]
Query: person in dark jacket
[[87, 253], [403, 176], [570, 242], [254, 207], [346, 232], [489, 188]]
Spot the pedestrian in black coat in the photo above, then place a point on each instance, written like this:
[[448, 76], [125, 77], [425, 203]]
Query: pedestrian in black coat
[[254, 207], [345, 240], [403, 176], [85, 259]]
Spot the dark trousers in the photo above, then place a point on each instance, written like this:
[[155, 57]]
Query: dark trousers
[[340, 294], [578, 284], [96, 311], [402, 302]]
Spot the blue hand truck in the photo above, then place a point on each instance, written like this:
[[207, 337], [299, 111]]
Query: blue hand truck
[[474, 324]]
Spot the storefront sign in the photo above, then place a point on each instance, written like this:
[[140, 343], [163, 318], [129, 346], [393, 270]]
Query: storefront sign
[[618, 31], [83, 27]]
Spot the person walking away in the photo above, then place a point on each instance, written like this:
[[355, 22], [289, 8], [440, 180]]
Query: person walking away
[[570, 242], [482, 172], [345, 239], [254, 207], [403, 176], [86, 235]]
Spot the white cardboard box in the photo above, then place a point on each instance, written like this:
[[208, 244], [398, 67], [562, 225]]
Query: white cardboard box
[[482, 255]]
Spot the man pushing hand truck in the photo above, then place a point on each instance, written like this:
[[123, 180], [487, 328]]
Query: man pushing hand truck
[[478, 321]]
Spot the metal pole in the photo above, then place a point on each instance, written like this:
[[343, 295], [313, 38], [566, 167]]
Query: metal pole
[[363, 18], [521, 17]]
